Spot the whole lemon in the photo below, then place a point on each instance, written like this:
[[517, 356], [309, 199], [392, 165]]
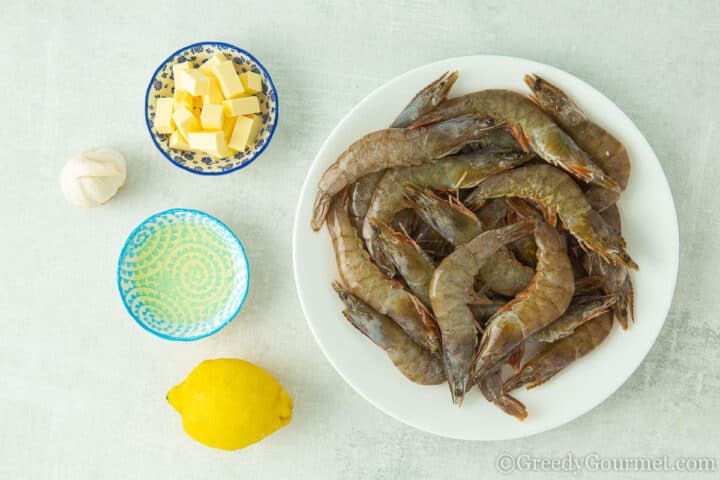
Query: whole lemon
[[229, 403]]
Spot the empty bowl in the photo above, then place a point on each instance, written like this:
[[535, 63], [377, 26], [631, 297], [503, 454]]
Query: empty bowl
[[183, 274]]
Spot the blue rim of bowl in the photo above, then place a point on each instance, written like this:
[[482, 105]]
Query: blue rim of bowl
[[224, 322], [271, 128]]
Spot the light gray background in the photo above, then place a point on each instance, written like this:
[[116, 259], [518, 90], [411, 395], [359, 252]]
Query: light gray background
[[82, 387]]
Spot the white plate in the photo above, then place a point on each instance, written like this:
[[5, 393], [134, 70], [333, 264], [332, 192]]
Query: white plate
[[649, 225]]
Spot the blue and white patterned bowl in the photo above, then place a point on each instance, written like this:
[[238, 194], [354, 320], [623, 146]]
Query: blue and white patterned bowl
[[162, 85], [183, 274]]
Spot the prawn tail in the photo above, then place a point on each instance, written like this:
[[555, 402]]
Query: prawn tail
[[601, 179], [554, 101], [512, 406], [515, 358], [531, 376], [520, 378], [519, 135], [320, 210], [492, 388], [579, 164], [625, 306], [621, 257]]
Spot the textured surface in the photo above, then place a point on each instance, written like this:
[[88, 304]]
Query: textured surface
[[182, 274], [83, 387]]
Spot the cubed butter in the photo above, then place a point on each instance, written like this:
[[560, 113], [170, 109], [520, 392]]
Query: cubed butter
[[194, 81], [198, 102], [211, 117], [228, 152], [210, 142], [241, 106], [177, 69], [244, 128], [178, 143], [251, 82], [206, 67], [214, 95], [163, 115], [257, 123], [182, 98], [185, 121], [228, 125], [228, 79]]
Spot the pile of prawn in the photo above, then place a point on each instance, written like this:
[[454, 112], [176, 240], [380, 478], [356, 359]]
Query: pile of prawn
[[477, 227]]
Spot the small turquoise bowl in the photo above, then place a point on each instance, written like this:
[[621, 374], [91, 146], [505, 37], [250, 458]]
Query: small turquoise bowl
[[162, 85], [183, 274]]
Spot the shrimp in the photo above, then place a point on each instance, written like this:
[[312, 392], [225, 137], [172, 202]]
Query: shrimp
[[426, 99], [531, 127], [554, 357], [556, 191], [492, 214], [581, 310], [501, 272], [364, 279], [414, 265], [607, 151], [450, 292], [421, 104], [394, 147], [458, 172], [412, 360], [462, 171], [615, 278], [543, 301]]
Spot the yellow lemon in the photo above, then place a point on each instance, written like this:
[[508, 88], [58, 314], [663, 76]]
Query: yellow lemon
[[230, 403]]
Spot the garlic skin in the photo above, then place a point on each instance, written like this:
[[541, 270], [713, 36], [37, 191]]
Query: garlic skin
[[93, 177]]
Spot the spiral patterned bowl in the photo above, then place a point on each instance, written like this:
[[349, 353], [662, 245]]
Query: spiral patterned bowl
[[162, 85], [183, 275]]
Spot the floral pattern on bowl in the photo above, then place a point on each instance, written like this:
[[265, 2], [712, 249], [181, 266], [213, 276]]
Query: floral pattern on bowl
[[162, 85]]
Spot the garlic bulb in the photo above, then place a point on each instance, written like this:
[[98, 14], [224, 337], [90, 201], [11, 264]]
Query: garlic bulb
[[93, 177]]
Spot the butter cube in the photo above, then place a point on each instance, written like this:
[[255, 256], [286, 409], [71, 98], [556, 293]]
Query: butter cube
[[257, 123], [206, 67], [228, 79], [210, 142], [177, 70], [194, 82], [177, 142], [244, 128], [163, 115], [185, 121], [241, 106], [227, 152], [228, 126], [214, 95], [251, 82], [182, 98], [211, 117], [198, 102]]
